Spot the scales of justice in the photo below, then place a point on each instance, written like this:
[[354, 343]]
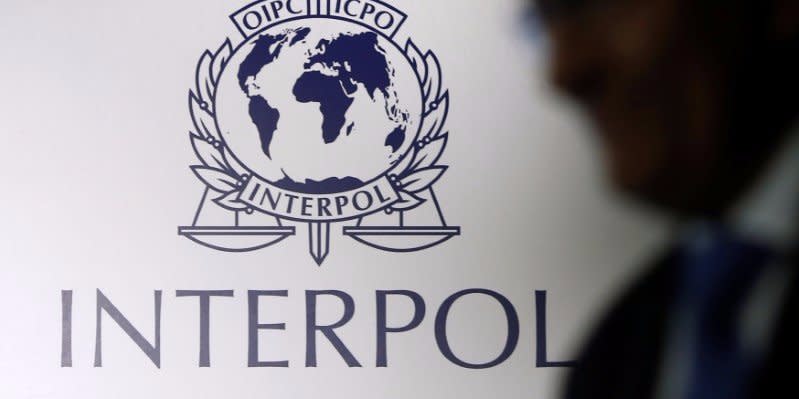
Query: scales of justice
[[238, 231], [242, 212]]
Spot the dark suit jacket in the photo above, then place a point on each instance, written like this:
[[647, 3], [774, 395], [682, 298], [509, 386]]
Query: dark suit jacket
[[622, 360]]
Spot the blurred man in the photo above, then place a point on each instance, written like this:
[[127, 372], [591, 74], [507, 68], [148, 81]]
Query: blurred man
[[695, 102]]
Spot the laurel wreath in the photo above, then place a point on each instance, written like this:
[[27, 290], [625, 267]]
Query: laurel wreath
[[221, 172]]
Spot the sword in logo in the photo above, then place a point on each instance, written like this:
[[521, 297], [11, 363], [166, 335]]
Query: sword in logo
[[319, 241]]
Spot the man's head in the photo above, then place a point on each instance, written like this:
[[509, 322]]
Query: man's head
[[691, 97]]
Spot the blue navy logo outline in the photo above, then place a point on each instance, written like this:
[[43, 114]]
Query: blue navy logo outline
[[233, 187]]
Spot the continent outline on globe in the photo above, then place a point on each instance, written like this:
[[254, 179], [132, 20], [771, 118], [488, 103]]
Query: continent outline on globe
[[336, 67]]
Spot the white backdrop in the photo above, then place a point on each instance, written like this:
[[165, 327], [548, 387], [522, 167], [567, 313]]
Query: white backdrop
[[95, 179]]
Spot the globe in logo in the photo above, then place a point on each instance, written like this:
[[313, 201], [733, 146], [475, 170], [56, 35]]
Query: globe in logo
[[319, 108]]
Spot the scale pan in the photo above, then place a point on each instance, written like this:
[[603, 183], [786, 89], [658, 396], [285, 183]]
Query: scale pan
[[402, 239], [236, 239]]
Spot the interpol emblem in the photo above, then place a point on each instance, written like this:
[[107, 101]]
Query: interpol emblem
[[318, 117]]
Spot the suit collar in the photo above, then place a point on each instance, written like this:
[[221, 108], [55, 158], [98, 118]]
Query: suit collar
[[769, 213]]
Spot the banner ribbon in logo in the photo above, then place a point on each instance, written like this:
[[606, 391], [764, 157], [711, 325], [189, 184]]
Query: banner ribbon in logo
[[370, 198]]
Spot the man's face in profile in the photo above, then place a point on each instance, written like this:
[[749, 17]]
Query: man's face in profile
[[664, 82]]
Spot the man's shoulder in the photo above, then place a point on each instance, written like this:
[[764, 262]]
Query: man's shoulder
[[777, 375], [620, 358]]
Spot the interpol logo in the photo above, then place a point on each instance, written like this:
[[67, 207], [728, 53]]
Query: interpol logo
[[318, 117]]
